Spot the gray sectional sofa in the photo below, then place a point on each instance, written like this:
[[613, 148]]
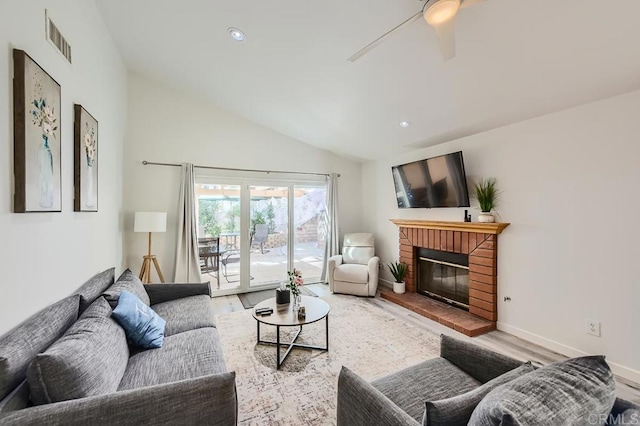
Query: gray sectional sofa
[[70, 363], [471, 385]]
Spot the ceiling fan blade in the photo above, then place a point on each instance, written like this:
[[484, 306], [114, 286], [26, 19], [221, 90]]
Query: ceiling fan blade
[[447, 38], [469, 3], [360, 53]]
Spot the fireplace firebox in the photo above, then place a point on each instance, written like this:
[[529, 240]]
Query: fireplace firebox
[[443, 276]]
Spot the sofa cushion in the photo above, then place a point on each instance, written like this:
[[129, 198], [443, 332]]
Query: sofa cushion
[[358, 248], [430, 380], [183, 356], [16, 400], [456, 411], [351, 273], [19, 346], [93, 288], [143, 327], [357, 255], [89, 359], [576, 391], [361, 404], [480, 363], [127, 281], [630, 416], [187, 313]]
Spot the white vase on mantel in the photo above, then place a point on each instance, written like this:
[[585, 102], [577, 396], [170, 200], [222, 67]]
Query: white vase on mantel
[[398, 287], [486, 217]]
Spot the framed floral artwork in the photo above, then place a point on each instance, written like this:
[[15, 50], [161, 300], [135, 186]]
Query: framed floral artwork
[[85, 176], [36, 137]]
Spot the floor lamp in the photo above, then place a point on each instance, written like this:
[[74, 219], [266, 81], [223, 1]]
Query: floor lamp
[[150, 222]]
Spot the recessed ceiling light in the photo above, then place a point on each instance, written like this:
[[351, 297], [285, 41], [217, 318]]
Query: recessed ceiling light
[[405, 124], [236, 34]]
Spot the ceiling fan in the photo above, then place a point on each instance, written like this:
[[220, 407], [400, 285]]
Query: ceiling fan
[[440, 14]]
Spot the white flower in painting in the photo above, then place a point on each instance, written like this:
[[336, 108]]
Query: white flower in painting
[[90, 144], [48, 114], [47, 129], [42, 114]]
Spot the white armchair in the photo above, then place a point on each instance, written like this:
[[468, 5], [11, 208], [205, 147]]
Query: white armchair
[[355, 271]]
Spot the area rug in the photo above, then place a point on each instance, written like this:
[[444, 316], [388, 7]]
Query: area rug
[[362, 336], [249, 300]]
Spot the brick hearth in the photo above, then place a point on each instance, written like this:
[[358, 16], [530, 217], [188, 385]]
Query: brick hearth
[[480, 243]]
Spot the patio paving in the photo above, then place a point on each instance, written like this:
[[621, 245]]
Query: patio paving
[[271, 266]]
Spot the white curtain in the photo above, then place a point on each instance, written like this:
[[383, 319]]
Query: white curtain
[[187, 259], [332, 239]]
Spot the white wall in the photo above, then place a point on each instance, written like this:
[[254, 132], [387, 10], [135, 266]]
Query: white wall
[[166, 125], [45, 256], [570, 191]]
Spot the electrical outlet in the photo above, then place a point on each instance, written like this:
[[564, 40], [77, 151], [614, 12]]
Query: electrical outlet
[[593, 327]]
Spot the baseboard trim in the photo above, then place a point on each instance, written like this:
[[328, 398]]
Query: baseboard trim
[[385, 283], [618, 369]]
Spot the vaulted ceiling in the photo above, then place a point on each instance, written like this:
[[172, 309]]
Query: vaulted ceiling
[[516, 59]]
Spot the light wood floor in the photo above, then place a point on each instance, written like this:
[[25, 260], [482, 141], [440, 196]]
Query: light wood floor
[[498, 341]]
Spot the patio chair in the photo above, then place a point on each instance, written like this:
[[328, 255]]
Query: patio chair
[[209, 252], [260, 236], [232, 256]]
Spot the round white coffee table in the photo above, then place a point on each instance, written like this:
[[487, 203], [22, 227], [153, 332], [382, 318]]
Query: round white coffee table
[[284, 316]]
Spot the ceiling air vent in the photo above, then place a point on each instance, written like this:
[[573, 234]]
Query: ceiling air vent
[[56, 39]]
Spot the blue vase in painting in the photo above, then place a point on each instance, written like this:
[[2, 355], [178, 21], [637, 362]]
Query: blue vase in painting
[[45, 173]]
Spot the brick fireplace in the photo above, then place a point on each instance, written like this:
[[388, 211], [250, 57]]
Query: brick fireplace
[[477, 240]]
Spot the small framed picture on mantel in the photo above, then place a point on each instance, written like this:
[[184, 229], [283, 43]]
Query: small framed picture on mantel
[[85, 175]]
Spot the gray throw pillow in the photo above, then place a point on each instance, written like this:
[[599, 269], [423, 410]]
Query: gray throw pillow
[[94, 287], [130, 282], [456, 411], [19, 346], [571, 392], [630, 416], [89, 359]]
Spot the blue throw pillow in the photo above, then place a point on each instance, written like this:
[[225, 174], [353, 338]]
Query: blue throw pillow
[[143, 327]]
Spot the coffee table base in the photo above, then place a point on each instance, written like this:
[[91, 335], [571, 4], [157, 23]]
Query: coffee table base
[[292, 344]]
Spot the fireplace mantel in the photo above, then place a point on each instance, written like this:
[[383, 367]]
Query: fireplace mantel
[[478, 241], [484, 228]]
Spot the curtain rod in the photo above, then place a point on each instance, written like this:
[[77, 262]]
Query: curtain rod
[[150, 163]]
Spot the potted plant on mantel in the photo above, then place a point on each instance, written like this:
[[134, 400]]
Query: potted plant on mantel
[[487, 196], [399, 271]]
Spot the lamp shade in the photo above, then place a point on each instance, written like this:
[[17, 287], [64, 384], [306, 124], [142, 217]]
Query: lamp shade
[[150, 222]]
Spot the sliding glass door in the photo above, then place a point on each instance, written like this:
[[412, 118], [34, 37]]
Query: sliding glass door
[[269, 234], [309, 204], [218, 207], [260, 230]]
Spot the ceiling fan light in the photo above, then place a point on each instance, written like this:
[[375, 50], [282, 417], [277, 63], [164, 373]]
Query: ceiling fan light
[[440, 11]]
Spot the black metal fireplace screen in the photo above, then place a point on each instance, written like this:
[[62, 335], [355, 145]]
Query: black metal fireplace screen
[[444, 276]]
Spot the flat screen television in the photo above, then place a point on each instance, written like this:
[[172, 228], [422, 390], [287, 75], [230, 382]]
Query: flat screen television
[[433, 182]]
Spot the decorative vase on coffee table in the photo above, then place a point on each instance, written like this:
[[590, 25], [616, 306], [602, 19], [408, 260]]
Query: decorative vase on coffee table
[[297, 300]]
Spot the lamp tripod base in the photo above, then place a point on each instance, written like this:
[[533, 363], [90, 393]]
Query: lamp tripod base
[[145, 272]]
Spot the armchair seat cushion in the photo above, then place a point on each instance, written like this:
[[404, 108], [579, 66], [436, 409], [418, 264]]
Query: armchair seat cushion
[[352, 273]]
